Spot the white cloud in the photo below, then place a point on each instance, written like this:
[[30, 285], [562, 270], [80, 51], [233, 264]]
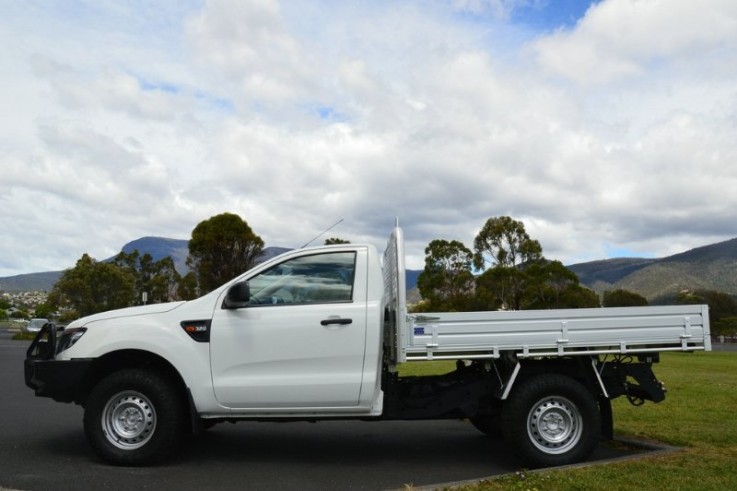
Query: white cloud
[[619, 39], [613, 134], [254, 55]]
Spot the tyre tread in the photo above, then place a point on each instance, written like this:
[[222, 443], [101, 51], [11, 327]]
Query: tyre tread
[[170, 409], [527, 393]]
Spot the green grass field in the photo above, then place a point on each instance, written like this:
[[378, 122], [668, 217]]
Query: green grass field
[[698, 415]]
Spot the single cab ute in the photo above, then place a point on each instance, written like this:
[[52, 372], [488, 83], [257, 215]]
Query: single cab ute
[[318, 334]]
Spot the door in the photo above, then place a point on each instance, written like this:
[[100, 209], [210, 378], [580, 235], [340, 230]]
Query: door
[[300, 341]]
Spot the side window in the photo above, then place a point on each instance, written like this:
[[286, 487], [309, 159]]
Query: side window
[[322, 278]]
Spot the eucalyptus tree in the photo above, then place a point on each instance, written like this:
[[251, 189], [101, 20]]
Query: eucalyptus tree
[[446, 282], [158, 279], [503, 242], [92, 286], [221, 248]]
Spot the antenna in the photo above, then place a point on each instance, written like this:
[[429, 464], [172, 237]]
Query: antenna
[[321, 233]]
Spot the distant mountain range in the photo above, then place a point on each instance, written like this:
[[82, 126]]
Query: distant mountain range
[[158, 247], [712, 267]]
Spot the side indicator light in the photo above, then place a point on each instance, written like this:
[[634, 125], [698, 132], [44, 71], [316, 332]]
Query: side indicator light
[[199, 330]]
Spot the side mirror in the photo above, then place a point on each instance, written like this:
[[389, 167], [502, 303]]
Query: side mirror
[[237, 296]]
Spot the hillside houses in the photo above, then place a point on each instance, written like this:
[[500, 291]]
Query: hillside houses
[[23, 301]]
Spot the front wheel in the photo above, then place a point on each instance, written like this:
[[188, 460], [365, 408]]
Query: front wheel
[[134, 417], [551, 420]]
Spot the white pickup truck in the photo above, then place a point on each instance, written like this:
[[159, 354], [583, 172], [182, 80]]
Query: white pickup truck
[[318, 334]]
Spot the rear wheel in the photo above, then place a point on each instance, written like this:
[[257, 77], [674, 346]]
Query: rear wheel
[[134, 417], [551, 420]]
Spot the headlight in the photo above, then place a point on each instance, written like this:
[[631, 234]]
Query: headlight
[[69, 337]]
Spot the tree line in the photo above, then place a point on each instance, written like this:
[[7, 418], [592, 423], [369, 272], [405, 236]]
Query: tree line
[[505, 270], [219, 249]]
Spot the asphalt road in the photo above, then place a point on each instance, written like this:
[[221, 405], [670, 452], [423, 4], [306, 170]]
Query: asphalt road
[[43, 447]]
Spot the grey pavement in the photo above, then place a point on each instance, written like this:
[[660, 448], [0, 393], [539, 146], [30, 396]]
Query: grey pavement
[[43, 447]]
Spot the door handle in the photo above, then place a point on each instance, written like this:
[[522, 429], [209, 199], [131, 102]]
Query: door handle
[[338, 320]]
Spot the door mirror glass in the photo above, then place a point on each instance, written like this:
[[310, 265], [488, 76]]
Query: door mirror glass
[[238, 296]]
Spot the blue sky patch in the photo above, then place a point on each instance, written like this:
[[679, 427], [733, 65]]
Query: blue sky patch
[[326, 113], [614, 251], [157, 86], [548, 15], [222, 103]]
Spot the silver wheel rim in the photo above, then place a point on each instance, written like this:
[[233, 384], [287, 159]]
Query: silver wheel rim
[[129, 420], [554, 425]]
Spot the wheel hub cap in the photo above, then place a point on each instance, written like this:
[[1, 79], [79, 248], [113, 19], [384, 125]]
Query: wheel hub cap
[[129, 420], [554, 425]]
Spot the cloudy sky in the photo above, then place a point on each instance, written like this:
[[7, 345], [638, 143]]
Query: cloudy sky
[[609, 128]]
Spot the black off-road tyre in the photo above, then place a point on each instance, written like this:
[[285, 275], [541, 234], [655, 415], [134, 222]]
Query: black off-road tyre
[[135, 417], [551, 420]]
